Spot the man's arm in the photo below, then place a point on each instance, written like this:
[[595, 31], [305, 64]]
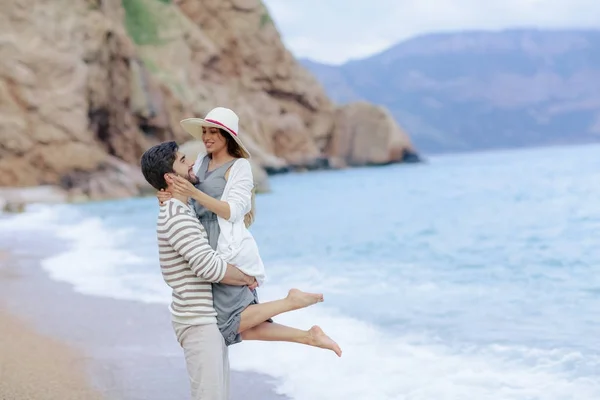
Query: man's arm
[[184, 235], [233, 276]]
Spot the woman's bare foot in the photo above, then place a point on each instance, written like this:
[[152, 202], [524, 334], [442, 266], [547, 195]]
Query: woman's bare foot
[[318, 338], [299, 299]]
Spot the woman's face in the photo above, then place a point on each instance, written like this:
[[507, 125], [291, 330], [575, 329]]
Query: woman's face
[[213, 140]]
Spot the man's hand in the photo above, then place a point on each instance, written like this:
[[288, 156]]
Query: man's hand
[[254, 284], [235, 277]]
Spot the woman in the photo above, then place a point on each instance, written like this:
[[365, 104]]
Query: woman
[[223, 200]]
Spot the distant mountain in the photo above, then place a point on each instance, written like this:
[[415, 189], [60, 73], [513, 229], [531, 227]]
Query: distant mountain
[[481, 90]]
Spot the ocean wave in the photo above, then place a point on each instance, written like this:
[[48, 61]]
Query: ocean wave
[[97, 260], [377, 364], [486, 298]]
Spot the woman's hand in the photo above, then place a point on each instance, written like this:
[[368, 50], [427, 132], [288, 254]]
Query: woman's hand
[[183, 187], [163, 196]]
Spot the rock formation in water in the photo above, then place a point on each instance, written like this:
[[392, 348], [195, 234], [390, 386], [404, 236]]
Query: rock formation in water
[[87, 85]]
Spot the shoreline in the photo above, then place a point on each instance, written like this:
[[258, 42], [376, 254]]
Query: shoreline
[[14, 199], [115, 349]]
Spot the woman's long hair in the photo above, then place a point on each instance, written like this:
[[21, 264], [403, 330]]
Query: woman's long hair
[[236, 151]]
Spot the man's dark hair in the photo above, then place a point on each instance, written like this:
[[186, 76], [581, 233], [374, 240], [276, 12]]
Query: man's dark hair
[[158, 161]]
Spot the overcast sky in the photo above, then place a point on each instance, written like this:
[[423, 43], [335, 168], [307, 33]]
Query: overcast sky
[[334, 31]]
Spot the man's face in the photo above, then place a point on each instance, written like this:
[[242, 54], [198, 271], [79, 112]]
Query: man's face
[[184, 168]]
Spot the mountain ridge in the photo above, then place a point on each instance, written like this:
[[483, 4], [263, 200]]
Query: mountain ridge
[[478, 90]]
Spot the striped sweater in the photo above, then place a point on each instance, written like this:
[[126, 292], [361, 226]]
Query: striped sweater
[[188, 264]]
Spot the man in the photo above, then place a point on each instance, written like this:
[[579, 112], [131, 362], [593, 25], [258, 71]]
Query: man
[[189, 265]]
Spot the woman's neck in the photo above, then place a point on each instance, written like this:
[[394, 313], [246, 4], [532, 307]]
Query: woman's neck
[[220, 157]]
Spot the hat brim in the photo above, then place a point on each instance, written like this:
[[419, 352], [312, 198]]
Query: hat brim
[[193, 126]]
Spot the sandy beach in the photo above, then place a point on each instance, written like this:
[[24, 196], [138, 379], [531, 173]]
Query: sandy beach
[[34, 366], [58, 344]]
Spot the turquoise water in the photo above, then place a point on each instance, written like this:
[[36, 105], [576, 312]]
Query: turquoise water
[[470, 277]]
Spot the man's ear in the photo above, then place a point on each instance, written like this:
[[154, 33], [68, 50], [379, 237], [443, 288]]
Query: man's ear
[[168, 178]]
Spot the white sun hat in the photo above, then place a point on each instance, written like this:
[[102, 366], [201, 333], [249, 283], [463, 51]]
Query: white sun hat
[[219, 117]]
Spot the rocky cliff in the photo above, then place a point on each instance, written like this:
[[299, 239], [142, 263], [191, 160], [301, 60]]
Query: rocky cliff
[[87, 85]]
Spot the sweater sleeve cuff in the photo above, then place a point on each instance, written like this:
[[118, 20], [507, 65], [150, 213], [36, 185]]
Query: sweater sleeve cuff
[[223, 271]]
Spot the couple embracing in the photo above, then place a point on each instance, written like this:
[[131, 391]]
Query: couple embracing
[[209, 257]]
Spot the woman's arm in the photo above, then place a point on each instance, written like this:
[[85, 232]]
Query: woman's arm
[[219, 207], [185, 188], [238, 200], [239, 195]]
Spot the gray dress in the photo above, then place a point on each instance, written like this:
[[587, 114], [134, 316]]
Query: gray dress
[[229, 301]]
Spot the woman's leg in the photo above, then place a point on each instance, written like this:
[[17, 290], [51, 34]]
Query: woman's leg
[[272, 332], [255, 314]]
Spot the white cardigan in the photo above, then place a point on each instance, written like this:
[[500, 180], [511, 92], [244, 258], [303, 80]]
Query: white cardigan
[[236, 245]]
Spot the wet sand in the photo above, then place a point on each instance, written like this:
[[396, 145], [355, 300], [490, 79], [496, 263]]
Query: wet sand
[[72, 346], [34, 366]]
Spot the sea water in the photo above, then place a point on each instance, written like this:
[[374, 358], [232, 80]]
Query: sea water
[[473, 276]]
